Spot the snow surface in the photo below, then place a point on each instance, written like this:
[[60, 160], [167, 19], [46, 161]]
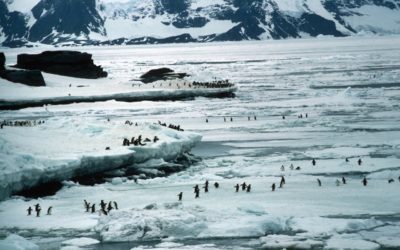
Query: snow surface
[[349, 89], [369, 18]]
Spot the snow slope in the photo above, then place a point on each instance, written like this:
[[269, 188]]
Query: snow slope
[[153, 21]]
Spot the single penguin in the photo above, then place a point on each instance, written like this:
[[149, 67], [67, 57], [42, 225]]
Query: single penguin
[[29, 210], [244, 186], [364, 181], [49, 210], [180, 196]]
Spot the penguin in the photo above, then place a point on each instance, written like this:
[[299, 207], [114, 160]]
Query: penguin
[[282, 182], [343, 180], [298, 168], [107, 148], [283, 179], [224, 119], [248, 118], [283, 117], [37, 206], [337, 182], [115, 205], [390, 181], [180, 196], [347, 159], [273, 187], [93, 208], [359, 162], [109, 207], [237, 188], [196, 188], [29, 210], [282, 168], [319, 182], [38, 212], [255, 118], [231, 119], [364, 181], [244, 186], [248, 188], [87, 206], [49, 210], [313, 162], [216, 185], [102, 204], [197, 192], [205, 189], [206, 120], [306, 115]]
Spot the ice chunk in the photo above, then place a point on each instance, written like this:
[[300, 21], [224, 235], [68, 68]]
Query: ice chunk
[[16, 242], [83, 241]]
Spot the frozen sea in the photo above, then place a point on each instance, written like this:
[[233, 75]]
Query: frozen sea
[[348, 87]]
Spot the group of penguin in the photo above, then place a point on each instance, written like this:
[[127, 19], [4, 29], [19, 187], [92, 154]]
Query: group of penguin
[[38, 209]]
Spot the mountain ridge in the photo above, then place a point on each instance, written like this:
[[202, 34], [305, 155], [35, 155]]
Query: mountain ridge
[[102, 22]]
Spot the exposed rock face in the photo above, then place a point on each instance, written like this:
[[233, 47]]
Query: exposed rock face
[[27, 77], [94, 22], [160, 74], [2, 61], [67, 63]]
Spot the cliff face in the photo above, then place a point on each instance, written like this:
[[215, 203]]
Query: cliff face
[[165, 21]]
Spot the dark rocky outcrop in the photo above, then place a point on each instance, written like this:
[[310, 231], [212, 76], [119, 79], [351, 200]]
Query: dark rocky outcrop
[[27, 77], [161, 74], [2, 61], [67, 63]]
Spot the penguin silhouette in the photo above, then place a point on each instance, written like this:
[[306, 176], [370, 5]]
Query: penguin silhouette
[[216, 185], [115, 205], [364, 181], [29, 210], [38, 212], [237, 188], [180, 196], [248, 188], [49, 210], [319, 182], [273, 187]]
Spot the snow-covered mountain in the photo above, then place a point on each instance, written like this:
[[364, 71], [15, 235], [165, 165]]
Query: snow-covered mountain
[[164, 21]]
